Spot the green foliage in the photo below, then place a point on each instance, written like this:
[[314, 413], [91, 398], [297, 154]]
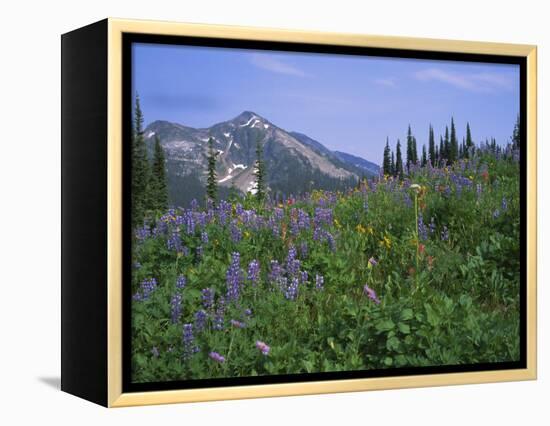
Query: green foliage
[[158, 183], [140, 168], [386, 163], [211, 180], [448, 297], [259, 173]]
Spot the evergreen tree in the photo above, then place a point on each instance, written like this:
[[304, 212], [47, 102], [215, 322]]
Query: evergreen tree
[[259, 173], [424, 156], [158, 184], [431, 145], [211, 180], [386, 163], [398, 161], [392, 164], [140, 168], [453, 153], [436, 156], [414, 150], [410, 155], [469, 142], [441, 152], [446, 145], [516, 135]]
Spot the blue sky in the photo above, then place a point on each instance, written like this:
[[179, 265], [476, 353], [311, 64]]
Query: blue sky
[[348, 103]]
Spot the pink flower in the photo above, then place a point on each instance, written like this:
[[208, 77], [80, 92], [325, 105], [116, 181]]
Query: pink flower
[[216, 357], [371, 294], [262, 347]]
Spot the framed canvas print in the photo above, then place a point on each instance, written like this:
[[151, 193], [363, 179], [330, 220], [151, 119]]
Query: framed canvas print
[[254, 212]]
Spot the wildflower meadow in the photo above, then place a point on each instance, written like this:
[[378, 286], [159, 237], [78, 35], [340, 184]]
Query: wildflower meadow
[[422, 270]]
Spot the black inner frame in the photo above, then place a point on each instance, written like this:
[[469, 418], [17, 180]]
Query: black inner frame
[[130, 38]]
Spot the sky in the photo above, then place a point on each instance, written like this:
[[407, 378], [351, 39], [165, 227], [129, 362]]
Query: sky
[[348, 103]]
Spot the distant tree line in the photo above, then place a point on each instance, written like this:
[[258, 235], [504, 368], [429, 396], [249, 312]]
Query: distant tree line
[[447, 151], [149, 193]]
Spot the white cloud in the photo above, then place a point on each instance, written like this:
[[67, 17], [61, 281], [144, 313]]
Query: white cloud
[[475, 82], [386, 82], [273, 64]]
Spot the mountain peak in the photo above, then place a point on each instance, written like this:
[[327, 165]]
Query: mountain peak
[[250, 119]]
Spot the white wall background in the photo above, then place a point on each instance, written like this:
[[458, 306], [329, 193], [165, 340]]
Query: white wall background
[[30, 211]]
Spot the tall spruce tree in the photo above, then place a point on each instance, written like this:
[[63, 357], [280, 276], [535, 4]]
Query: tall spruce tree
[[431, 145], [469, 142], [211, 179], [398, 161], [259, 173], [140, 168], [392, 164], [414, 150], [386, 163], [516, 135], [453, 154], [446, 145], [158, 184], [441, 152], [410, 155]]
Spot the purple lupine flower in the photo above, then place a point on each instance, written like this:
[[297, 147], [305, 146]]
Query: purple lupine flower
[[371, 294], [248, 312], [319, 282], [479, 189], [181, 281], [445, 234], [303, 276], [422, 232], [276, 271], [303, 219], [291, 292], [303, 250], [331, 242], [234, 277], [194, 204], [200, 251], [189, 221], [146, 288], [200, 319], [174, 242], [292, 264], [237, 324], [188, 340], [504, 204], [155, 352], [373, 261], [264, 348], [204, 237], [207, 298], [322, 216], [219, 316], [216, 357], [175, 307], [143, 232], [236, 234], [254, 272]]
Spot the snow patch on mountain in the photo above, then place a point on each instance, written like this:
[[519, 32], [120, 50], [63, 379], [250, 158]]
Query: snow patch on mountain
[[249, 121]]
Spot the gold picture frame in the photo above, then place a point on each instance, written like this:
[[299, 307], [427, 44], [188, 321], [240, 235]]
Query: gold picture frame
[[115, 397]]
